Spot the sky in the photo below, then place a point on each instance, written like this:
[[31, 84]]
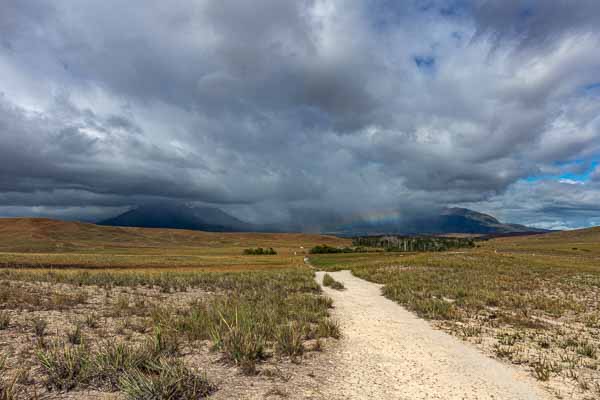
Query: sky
[[279, 110]]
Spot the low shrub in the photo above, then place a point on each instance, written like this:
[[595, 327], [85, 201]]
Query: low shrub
[[260, 252], [325, 249]]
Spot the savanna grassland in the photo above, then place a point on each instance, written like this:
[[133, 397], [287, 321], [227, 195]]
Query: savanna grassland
[[125, 313], [45, 243], [530, 301]]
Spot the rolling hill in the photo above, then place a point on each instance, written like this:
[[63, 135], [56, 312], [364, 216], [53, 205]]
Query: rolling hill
[[41, 235]]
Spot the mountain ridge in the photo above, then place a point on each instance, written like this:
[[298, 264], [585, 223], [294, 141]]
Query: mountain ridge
[[449, 220], [212, 219], [179, 216]]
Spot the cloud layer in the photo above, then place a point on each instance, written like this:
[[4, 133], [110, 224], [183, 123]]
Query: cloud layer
[[271, 108]]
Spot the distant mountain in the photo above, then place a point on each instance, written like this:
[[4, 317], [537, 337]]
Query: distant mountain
[[210, 219], [179, 216], [449, 220]]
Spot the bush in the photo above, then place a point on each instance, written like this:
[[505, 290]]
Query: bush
[[260, 252], [325, 249], [413, 243]]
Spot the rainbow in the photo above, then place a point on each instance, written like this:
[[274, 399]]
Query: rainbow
[[379, 216]]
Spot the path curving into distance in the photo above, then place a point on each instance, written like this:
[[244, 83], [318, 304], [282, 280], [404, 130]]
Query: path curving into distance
[[389, 353]]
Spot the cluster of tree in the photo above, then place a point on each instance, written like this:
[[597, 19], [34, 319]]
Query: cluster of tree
[[413, 243], [260, 252], [325, 249]]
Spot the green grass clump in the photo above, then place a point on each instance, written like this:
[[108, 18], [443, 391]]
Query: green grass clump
[[164, 380], [290, 339], [68, 367], [112, 360], [65, 366], [332, 283], [240, 336]]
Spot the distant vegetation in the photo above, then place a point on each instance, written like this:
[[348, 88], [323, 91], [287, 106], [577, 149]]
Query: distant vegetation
[[260, 252], [413, 244], [397, 243], [325, 249]]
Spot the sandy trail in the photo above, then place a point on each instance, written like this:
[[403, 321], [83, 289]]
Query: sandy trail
[[388, 353]]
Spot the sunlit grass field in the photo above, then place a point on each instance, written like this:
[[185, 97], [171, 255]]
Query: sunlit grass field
[[30, 243]]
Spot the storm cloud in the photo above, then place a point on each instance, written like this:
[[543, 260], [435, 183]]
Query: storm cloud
[[276, 110]]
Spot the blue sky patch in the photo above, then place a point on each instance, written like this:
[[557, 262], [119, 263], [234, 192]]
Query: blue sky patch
[[426, 63]]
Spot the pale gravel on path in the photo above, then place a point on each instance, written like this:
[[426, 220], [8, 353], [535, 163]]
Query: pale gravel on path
[[389, 353]]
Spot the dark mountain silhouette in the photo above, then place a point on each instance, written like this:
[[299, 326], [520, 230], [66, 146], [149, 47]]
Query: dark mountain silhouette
[[183, 216], [449, 220], [179, 216]]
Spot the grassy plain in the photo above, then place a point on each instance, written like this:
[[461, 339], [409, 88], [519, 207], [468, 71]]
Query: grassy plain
[[34, 242], [155, 314], [532, 301]]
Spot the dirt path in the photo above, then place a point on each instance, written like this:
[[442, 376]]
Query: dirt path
[[388, 353]]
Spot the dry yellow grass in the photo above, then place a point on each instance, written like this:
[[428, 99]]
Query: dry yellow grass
[[34, 242]]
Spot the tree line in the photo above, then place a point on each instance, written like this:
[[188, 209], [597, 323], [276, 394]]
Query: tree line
[[413, 243]]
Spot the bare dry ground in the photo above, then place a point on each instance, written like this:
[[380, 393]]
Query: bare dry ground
[[244, 336]]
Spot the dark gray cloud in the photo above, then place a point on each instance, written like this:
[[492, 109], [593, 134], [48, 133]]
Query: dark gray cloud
[[277, 110], [535, 23]]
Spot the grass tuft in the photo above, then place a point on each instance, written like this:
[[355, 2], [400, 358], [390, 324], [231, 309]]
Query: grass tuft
[[66, 367], [332, 283], [39, 326], [290, 340], [164, 380]]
